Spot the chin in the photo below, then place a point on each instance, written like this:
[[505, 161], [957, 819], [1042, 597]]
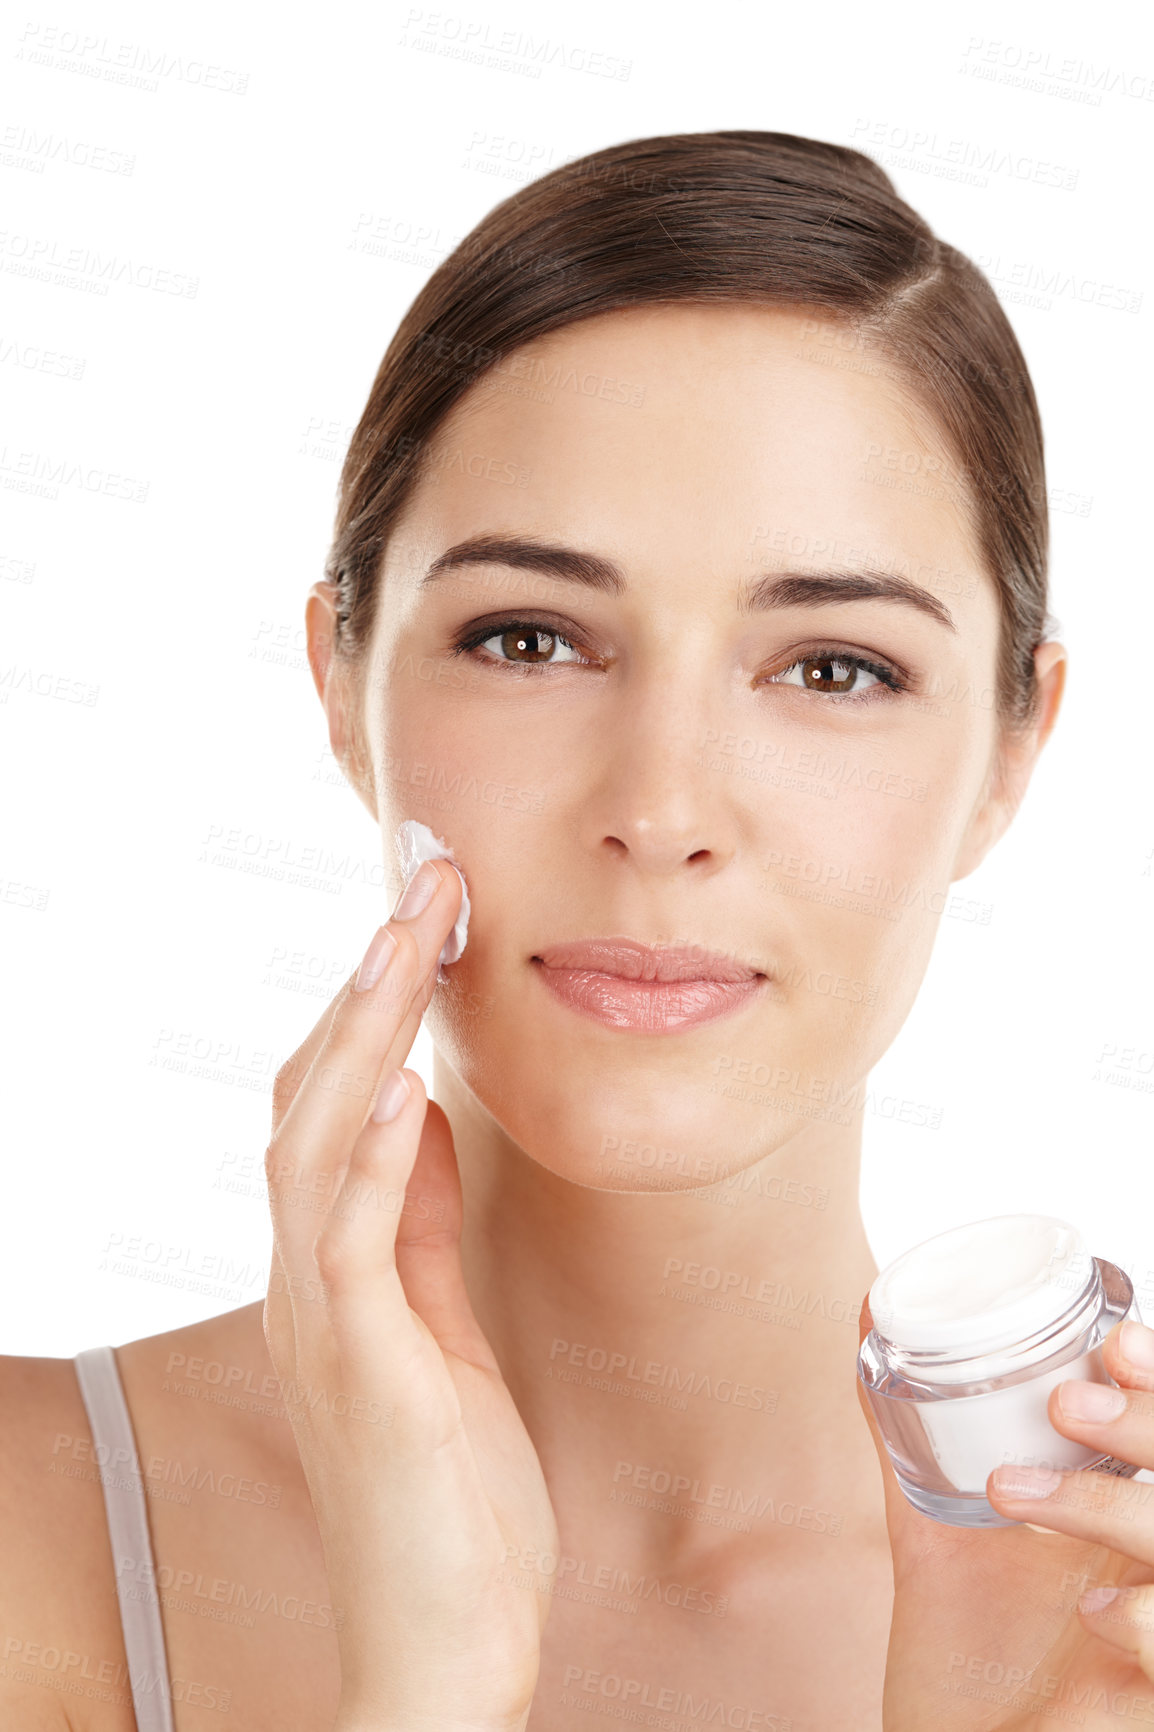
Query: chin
[[679, 1113], [635, 1133]]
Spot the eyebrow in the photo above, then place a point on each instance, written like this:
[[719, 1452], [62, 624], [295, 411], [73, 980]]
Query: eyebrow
[[760, 595]]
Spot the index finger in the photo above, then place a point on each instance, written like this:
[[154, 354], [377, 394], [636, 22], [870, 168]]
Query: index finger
[[366, 1032], [292, 1072], [288, 1077]]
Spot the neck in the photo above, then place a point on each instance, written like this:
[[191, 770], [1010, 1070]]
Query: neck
[[694, 1346]]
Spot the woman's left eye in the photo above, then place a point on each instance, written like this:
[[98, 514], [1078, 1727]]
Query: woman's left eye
[[835, 675]]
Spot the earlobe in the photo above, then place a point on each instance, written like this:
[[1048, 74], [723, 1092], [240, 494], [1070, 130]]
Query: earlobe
[[988, 822], [1014, 763], [320, 628], [320, 633], [333, 690], [1050, 672]]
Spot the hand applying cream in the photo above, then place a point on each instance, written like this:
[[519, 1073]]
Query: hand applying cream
[[415, 844]]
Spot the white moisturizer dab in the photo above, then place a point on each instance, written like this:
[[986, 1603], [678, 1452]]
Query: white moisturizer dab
[[415, 844]]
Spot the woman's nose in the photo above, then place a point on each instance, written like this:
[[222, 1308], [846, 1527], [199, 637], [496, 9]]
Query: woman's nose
[[655, 802]]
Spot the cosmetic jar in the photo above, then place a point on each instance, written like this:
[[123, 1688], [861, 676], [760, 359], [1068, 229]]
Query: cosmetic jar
[[972, 1329]]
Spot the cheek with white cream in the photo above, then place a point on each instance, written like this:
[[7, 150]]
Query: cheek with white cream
[[415, 843]]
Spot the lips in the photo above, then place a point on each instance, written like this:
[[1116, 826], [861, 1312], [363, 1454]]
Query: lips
[[627, 985]]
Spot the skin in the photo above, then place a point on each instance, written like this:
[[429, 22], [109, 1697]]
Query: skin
[[532, 1220]]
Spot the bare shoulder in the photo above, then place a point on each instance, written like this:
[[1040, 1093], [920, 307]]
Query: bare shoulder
[[235, 1551], [62, 1660], [212, 1384]]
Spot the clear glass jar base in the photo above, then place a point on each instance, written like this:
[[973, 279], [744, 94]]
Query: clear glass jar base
[[974, 1511], [944, 1437]]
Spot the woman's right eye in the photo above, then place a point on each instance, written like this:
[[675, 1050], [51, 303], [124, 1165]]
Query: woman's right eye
[[526, 646]]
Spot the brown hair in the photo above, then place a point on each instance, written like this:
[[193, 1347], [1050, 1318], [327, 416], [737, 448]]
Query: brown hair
[[717, 216]]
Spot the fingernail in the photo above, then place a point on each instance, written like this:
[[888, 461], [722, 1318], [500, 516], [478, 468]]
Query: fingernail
[[1096, 1402], [376, 959], [1026, 1482], [1096, 1598], [394, 1093], [1137, 1345], [418, 892]]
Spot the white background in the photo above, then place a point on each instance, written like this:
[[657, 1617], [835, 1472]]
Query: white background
[[227, 407]]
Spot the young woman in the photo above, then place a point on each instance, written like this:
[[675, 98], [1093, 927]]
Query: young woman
[[689, 585]]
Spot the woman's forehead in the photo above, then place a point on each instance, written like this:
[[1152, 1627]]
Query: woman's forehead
[[719, 434]]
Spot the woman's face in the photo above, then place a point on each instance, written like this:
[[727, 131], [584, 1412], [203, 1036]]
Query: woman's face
[[689, 729]]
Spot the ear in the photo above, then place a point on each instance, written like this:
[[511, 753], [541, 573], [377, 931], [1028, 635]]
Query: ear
[[1014, 760], [337, 689]]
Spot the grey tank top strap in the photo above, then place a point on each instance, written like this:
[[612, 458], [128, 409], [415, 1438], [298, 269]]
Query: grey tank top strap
[[126, 1505]]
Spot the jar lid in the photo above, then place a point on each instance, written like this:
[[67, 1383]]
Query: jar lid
[[980, 1287]]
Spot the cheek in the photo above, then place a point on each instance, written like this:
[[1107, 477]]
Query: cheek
[[849, 875], [873, 812], [460, 774], [440, 747], [859, 860]]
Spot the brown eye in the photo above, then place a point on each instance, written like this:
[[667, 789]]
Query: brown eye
[[527, 644], [827, 675], [833, 675]]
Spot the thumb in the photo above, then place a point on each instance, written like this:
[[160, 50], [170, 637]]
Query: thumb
[[428, 1247]]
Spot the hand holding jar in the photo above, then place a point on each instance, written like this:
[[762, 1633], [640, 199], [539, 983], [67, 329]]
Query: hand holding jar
[[1009, 1387]]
